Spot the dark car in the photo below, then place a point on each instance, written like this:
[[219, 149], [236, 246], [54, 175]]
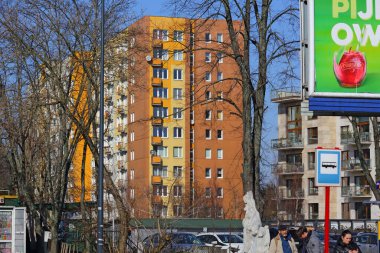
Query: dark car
[[171, 242]]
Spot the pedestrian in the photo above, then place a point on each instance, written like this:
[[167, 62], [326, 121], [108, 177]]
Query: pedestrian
[[309, 241], [283, 242], [344, 242], [353, 248]]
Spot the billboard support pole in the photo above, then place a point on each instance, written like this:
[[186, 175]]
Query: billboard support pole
[[327, 218]]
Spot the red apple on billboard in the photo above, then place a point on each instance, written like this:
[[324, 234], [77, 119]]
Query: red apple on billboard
[[351, 70]]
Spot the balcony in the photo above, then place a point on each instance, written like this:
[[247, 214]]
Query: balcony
[[156, 180], [156, 140], [348, 138], [354, 165], [157, 121], [285, 143], [156, 62], [156, 82], [286, 95], [156, 160], [157, 43], [291, 194], [287, 168], [313, 191], [156, 199], [156, 101], [356, 191]]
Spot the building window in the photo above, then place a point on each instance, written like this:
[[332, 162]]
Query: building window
[[178, 55], [177, 93], [162, 151], [208, 77], [159, 34], [208, 37], [363, 211], [160, 73], [177, 133], [132, 174], [219, 95], [220, 153], [312, 135], [177, 210], [346, 211], [294, 123], [160, 92], [208, 192], [219, 115], [132, 117], [132, 136], [208, 172], [132, 155], [220, 76], [219, 56], [219, 37], [160, 171], [177, 171], [160, 112], [208, 153], [313, 211], [132, 193], [177, 74], [219, 173], [207, 57], [177, 152], [132, 99], [178, 36], [219, 192], [312, 189], [177, 191], [208, 134], [177, 113], [220, 212], [160, 190], [311, 160], [219, 134], [159, 53], [159, 131], [208, 114], [208, 95]]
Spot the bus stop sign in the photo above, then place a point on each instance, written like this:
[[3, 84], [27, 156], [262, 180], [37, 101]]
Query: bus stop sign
[[328, 167]]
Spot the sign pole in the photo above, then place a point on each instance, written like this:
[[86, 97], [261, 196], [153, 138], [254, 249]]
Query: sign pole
[[327, 218]]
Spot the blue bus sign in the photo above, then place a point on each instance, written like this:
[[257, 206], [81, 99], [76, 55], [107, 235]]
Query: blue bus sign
[[328, 167]]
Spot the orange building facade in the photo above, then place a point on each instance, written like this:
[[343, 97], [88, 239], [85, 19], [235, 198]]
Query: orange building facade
[[184, 138]]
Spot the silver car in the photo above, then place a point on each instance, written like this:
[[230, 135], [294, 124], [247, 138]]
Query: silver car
[[367, 242]]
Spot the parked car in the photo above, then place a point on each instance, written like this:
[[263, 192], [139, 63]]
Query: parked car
[[367, 242], [231, 242], [172, 242]]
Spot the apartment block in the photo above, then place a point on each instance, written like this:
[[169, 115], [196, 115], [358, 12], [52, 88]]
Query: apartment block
[[299, 134], [174, 137]]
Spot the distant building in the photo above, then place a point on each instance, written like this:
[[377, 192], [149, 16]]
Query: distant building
[[298, 137]]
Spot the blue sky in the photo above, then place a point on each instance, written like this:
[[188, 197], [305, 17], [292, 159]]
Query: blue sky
[[152, 7]]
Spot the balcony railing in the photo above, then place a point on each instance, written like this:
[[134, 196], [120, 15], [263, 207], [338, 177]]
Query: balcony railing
[[156, 160], [156, 180], [313, 191], [356, 191], [354, 164], [348, 138], [287, 168], [157, 121], [284, 143], [156, 82], [156, 199], [291, 194], [286, 94], [156, 62], [156, 101], [156, 140]]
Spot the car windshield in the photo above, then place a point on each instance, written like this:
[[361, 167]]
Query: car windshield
[[186, 239], [227, 238]]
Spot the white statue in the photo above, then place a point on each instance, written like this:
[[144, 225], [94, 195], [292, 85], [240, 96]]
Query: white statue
[[256, 237]]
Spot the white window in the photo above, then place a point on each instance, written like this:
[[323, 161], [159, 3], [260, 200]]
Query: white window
[[132, 99], [160, 112], [220, 76], [160, 171], [177, 133], [159, 92], [132, 155], [177, 93], [208, 134], [219, 192], [177, 171], [219, 173], [132, 175], [162, 151], [220, 153], [160, 34], [132, 117], [219, 115], [177, 210], [160, 53], [219, 56], [208, 95], [177, 74], [132, 193], [177, 152], [219, 95], [160, 73], [178, 36], [160, 131], [160, 190], [178, 55], [208, 76], [207, 57], [208, 173], [177, 113], [219, 134], [208, 153], [132, 136], [219, 37], [208, 37], [208, 114], [220, 212], [177, 191], [208, 192]]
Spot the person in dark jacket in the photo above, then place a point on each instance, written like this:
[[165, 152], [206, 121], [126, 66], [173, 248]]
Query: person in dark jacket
[[309, 241], [344, 242]]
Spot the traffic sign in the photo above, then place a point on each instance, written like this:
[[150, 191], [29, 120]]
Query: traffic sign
[[328, 167]]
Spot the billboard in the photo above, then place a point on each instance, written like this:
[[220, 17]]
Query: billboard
[[344, 43]]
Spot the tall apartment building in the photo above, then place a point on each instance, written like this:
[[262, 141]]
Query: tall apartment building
[[298, 137], [178, 142]]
